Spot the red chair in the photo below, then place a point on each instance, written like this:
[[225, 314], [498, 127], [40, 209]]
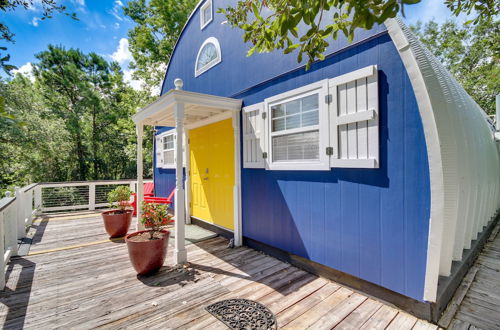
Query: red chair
[[149, 197]]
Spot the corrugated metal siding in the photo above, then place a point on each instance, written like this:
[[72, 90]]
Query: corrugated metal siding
[[371, 223], [469, 157]]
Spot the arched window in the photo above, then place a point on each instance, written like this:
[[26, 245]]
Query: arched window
[[208, 56]]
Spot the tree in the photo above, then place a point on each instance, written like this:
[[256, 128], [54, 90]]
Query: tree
[[159, 24], [470, 53], [49, 7], [274, 24]]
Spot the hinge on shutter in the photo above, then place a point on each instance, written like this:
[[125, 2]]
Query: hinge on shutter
[[264, 115], [328, 98], [264, 155], [329, 151]]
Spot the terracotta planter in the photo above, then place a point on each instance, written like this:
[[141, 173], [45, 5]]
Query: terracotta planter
[[147, 256], [117, 224]]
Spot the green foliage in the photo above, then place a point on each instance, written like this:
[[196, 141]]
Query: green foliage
[[274, 24], [120, 196], [470, 53], [152, 40], [73, 122], [485, 10], [155, 216]]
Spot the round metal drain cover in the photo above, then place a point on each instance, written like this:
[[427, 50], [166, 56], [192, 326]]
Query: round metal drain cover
[[243, 314]]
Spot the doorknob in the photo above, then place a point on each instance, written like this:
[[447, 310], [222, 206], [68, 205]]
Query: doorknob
[[205, 178]]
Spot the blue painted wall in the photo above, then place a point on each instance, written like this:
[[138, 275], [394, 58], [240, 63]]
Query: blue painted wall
[[371, 223]]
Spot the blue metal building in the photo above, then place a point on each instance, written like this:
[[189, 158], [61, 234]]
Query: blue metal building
[[373, 167]]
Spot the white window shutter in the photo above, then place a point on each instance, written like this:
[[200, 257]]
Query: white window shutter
[[253, 136], [159, 151], [354, 123]]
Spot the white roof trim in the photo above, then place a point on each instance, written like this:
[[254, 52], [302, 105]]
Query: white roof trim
[[197, 107], [464, 163]]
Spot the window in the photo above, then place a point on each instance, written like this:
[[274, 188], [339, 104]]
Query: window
[[331, 123], [208, 56], [168, 149], [205, 14], [298, 128]]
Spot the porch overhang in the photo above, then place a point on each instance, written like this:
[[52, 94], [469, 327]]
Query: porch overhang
[[197, 107]]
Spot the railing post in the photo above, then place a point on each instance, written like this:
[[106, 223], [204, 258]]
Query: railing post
[[29, 209], [92, 196], [21, 217], [2, 250], [38, 199]]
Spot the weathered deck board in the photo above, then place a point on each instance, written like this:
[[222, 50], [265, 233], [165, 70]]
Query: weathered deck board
[[94, 286], [478, 303]]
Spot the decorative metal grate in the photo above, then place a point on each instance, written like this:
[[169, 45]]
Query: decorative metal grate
[[243, 314]]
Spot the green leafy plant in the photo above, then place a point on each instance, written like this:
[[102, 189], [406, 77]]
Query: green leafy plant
[[119, 197], [155, 216]]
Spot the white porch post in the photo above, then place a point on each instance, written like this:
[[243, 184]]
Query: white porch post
[[140, 172], [180, 253], [238, 230]]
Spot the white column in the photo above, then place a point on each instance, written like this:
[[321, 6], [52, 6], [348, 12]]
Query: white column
[[180, 254], [238, 228], [140, 185]]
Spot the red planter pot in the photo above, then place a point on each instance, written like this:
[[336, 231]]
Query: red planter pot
[[117, 224], [147, 256]]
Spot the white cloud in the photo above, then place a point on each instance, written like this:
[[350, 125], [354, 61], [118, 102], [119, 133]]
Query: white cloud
[[25, 70], [79, 2], [135, 84], [116, 10], [35, 21], [122, 54], [117, 25]]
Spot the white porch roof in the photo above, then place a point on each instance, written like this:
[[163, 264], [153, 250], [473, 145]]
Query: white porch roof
[[197, 107]]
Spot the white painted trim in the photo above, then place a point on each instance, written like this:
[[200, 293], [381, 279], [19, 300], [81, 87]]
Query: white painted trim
[[260, 108], [166, 102], [210, 120], [355, 117], [140, 172], [320, 87], [187, 156], [352, 76], [238, 225], [436, 224], [217, 60], [354, 163], [180, 253], [202, 16]]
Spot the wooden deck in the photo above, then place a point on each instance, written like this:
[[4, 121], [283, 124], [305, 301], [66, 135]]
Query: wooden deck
[[75, 278], [476, 304]]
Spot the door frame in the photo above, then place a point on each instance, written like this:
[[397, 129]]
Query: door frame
[[236, 124]]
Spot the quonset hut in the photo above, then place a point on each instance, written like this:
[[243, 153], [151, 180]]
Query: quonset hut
[[374, 167]]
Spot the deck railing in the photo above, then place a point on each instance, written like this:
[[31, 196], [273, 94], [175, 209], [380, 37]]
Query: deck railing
[[17, 212]]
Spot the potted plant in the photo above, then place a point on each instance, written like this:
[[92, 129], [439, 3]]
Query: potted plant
[[117, 221], [147, 249]]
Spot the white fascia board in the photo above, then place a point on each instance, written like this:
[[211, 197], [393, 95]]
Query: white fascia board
[[436, 223]]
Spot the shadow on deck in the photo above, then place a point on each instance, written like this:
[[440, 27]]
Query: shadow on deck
[[75, 277]]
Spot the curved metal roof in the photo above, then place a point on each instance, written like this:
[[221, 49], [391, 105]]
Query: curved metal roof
[[464, 159]]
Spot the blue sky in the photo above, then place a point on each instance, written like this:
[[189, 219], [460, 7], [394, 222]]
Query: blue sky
[[102, 28]]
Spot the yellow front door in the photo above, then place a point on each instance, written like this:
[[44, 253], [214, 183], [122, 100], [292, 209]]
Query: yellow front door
[[212, 173]]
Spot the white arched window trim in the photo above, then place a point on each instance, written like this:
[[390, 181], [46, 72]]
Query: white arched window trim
[[217, 60]]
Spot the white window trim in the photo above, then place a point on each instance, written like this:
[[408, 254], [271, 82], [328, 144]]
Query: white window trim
[[161, 137], [320, 87], [207, 3], [210, 65]]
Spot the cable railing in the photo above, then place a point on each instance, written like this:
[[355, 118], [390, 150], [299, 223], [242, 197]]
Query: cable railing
[[17, 211]]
